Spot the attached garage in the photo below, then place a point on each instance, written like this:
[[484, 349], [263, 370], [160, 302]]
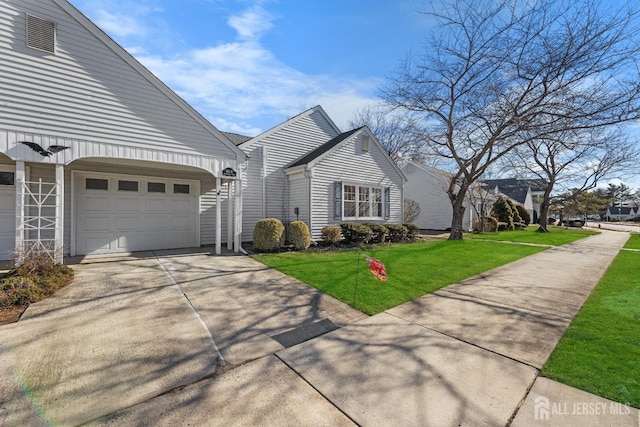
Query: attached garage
[[7, 211], [124, 213]]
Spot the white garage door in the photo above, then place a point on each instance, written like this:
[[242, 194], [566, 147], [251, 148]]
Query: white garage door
[[7, 212], [118, 213]]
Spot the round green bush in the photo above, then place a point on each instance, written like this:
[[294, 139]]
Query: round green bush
[[380, 232], [397, 232], [413, 229], [299, 235], [268, 234], [356, 233], [331, 234]]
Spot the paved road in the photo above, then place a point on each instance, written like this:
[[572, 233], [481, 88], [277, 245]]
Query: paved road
[[189, 339]]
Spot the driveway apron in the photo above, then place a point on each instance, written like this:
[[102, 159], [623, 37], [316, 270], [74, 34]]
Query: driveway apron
[[121, 334]]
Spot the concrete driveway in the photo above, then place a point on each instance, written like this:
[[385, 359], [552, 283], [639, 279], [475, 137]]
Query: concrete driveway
[[125, 332]]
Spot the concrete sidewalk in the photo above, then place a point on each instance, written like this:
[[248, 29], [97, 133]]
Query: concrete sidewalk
[[468, 354]]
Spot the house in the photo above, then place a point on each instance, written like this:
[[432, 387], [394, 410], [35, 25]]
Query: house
[[525, 192], [307, 169], [622, 213], [428, 187], [97, 155]]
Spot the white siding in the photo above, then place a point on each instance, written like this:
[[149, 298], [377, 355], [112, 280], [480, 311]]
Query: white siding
[[90, 89], [285, 144], [430, 191], [348, 163], [299, 197]]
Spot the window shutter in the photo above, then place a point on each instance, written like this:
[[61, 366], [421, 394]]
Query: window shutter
[[337, 200], [387, 202]]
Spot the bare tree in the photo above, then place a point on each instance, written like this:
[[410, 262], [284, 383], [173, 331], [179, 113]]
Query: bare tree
[[396, 132], [411, 211], [498, 75], [577, 159]]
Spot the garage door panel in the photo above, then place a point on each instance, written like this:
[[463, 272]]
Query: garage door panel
[[153, 204], [88, 203], [96, 223], [128, 204], [123, 221], [97, 243], [128, 223], [155, 222], [182, 205]]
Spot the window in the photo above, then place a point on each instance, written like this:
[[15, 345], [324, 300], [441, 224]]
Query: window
[[181, 188], [156, 187], [365, 143], [7, 178], [349, 195], [41, 34], [127, 185], [96, 184], [361, 202]]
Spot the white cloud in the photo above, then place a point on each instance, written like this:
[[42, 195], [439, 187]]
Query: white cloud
[[251, 23], [119, 25]]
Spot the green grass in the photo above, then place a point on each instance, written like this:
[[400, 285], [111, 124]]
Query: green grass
[[633, 242], [556, 236], [600, 351], [413, 269]]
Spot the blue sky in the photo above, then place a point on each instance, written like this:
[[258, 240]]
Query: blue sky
[[249, 65]]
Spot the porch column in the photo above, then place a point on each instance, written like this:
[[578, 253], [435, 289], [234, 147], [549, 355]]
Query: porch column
[[218, 217], [238, 218], [59, 226], [20, 183], [230, 224]]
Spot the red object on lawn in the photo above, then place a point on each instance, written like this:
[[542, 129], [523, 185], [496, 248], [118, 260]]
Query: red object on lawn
[[377, 268]]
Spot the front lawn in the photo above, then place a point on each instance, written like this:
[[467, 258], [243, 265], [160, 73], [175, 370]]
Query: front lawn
[[556, 236], [633, 242], [600, 350], [413, 269]]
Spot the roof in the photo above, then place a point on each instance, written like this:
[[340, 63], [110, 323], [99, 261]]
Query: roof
[[622, 210], [309, 157], [236, 138], [536, 184]]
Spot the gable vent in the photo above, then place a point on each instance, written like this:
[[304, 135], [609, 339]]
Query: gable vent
[[41, 34]]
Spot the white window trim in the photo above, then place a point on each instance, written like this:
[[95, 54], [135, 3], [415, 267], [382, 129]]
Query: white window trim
[[357, 202]]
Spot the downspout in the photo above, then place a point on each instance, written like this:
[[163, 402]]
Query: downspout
[[309, 174]]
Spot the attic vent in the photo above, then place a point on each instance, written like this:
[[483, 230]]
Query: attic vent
[[365, 143], [41, 34]]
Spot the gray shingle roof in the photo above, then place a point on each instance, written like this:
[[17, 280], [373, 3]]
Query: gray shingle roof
[[309, 157]]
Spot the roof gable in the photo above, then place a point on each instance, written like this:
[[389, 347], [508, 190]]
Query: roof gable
[[108, 95], [248, 145], [325, 150]]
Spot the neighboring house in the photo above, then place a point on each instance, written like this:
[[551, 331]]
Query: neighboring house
[[428, 187], [622, 213], [306, 169], [128, 165], [525, 192]]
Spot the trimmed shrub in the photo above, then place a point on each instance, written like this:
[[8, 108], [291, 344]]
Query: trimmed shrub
[[412, 229], [397, 232], [524, 214], [331, 234], [268, 234], [379, 232], [299, 235], [503, 212], [490, 223], [356, 233]]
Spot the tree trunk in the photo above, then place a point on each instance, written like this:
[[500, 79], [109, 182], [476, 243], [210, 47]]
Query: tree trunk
[[544, 207], [457, 217]]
